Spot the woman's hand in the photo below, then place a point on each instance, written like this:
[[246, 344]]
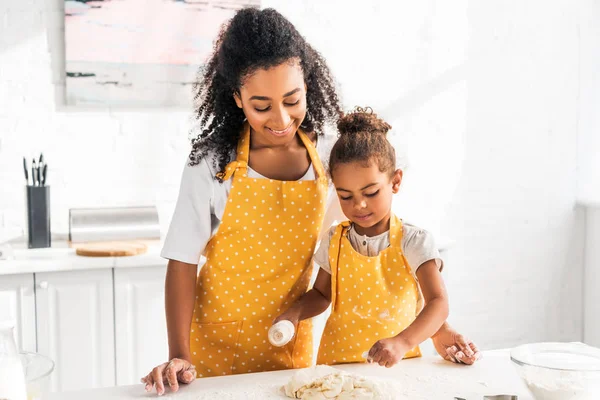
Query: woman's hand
[[453, 346], [173, 372]]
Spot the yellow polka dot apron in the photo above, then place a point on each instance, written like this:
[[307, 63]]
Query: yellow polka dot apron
[[258, 264], [372, 298]]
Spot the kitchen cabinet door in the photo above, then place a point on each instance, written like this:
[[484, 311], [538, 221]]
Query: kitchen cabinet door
[[140, 325], [75, 327], [17, 304]]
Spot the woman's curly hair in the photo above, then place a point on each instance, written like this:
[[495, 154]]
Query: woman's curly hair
[[255, 39], [363, 139]]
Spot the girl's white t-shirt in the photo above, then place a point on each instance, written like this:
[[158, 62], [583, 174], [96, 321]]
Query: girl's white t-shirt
[[418, 246]]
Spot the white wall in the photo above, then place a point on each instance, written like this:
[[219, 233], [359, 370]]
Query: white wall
[[484, 100], [95, 158], [588, 162], [519, 239]]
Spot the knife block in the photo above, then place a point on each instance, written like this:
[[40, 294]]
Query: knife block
[[38, 216]]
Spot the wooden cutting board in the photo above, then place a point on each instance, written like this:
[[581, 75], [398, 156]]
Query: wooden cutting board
[[110, 249]]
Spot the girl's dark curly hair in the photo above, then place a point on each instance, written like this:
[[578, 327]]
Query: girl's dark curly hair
[[362, 138], [255, 39]]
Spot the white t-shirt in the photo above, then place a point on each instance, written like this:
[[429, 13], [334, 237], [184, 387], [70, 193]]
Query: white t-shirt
[[418, 246], [201, 204]]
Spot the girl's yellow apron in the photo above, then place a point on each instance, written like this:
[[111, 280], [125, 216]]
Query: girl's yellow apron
[[258, 264], [372, 298]]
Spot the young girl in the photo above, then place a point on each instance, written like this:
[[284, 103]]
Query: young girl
[[374, 269], [252, 201]]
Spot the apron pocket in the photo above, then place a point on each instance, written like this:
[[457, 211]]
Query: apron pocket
[[215, 346]]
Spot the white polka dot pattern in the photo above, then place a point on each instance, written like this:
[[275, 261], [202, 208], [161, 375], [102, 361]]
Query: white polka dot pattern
[[372, 298], [258, 264]]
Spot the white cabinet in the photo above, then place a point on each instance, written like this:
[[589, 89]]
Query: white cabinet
[[140, 325], [17, 303], [75, 327]]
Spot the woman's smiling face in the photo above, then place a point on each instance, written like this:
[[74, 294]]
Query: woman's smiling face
[[274, 102]]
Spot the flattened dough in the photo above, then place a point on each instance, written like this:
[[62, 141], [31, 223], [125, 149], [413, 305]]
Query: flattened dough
[[324, 383]]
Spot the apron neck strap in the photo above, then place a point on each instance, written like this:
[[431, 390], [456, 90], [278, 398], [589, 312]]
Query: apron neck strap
[[243, 146], [243, 151], [312, 152], [240, 164], [395, 231]]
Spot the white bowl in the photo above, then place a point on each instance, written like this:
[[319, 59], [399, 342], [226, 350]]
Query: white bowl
[[37, 374], [559, 371]]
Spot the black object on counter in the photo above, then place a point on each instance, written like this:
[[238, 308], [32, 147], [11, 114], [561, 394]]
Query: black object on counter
[[38, 216]]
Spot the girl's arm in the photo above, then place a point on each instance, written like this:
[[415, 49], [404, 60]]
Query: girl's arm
[[312, 303], [388, 352], [436, 309]]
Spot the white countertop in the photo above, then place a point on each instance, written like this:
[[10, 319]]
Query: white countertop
[[425, 378], [60, 257], [588, 202]]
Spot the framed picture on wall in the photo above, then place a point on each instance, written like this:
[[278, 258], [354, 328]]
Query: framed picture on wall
[[140, 53]]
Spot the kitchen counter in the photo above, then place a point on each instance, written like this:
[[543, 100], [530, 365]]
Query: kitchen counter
[[60, 257], [426, 378]]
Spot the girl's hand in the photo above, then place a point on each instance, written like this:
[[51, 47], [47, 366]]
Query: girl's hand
[[172, 372], [388, 352], [287, 316], [454, 347]]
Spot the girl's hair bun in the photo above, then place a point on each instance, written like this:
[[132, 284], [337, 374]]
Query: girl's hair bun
[[362, 138], [362, 121]]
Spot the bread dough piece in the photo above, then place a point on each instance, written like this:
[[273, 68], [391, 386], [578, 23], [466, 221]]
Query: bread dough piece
[[306, 376], [324, 383]]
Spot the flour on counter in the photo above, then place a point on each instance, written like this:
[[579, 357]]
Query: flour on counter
[[559, 385], [329, 380], [255, 392]]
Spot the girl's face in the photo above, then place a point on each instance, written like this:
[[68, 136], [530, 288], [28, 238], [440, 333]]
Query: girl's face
[[274, 102], [365, 195]]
